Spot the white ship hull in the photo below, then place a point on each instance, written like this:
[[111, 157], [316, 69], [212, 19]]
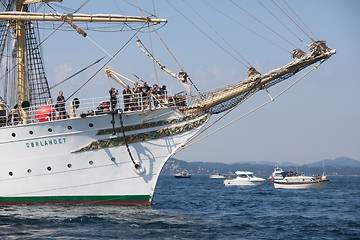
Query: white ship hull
[[79, 160], [282, 184]]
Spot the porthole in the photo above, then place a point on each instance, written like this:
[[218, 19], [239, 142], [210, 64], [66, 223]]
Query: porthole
[[49, 168], [10, 173], [113, 159], [69, 165], [31, 132], [13, 134], [91, 162], [50, 130], [29, 170], [69, 127], [111, 122], [91, 125]]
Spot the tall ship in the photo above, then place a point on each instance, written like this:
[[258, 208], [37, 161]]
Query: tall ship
[[100, 150]]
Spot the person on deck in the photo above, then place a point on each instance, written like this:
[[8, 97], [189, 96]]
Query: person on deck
[[127, 95], [163, 94], [60, 101], [135, 101], [113, 97], [145, 92], [156, 91]]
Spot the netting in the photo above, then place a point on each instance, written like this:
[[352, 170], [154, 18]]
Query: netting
[[223, 99]]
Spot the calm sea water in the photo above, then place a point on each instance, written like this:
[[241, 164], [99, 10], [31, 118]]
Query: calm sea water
[[200, 208]]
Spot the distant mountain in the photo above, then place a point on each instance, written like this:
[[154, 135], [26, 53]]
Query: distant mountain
[[340, 161], [338, 166]]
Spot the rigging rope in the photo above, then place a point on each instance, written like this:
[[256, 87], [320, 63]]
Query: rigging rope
[[247, 66], [250, 30], [263, 23], [262, 105], [300, 20], [112, 57], [293, 21], [152, 53], [126, 143], [168, 49], [205, 33], [281, 22], [78, 72], [161, 38], [217, 120]]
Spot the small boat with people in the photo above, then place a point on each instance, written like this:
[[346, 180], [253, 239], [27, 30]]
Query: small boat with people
[[182, 175], [293, 180], [217, 176], [277, 174], [244, 178]]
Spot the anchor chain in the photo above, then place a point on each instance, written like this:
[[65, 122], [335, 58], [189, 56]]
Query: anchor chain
[[136, 165]]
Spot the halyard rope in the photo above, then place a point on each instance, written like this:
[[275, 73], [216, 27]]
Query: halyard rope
[[271, 100]]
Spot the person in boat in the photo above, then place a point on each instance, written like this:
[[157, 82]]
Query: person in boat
[[145, 93], [135, 101], [113, 97], [60, 101], [127, 96]]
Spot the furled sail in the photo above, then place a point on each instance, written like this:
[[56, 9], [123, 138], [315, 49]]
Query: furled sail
[[181, 76]]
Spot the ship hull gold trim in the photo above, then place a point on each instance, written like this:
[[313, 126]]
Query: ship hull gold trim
[[141, 137], [130, 128]]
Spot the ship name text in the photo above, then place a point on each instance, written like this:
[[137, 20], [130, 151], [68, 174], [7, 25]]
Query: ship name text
[[44, 143]]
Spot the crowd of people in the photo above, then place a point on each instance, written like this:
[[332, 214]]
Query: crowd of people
[[141, 97]]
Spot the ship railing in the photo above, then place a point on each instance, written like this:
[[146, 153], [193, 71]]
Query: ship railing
[[127, 103]]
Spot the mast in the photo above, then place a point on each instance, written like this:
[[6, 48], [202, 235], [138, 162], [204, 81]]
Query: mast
[[20, 56], [21, 16]]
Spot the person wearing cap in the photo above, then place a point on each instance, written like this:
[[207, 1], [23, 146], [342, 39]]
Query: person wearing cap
[[127, 95], [60, 101], [113, 97], [145, 91], [156, 92], [135, 101]]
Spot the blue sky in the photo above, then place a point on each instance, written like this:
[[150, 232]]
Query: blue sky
[[319, 118]]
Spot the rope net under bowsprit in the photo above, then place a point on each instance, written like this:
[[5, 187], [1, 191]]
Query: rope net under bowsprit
[[222, 99]]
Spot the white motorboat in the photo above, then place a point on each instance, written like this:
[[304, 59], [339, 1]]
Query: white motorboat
[[293, 181], [276, 175], [216, 176], [244, 178], [182, 175]]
